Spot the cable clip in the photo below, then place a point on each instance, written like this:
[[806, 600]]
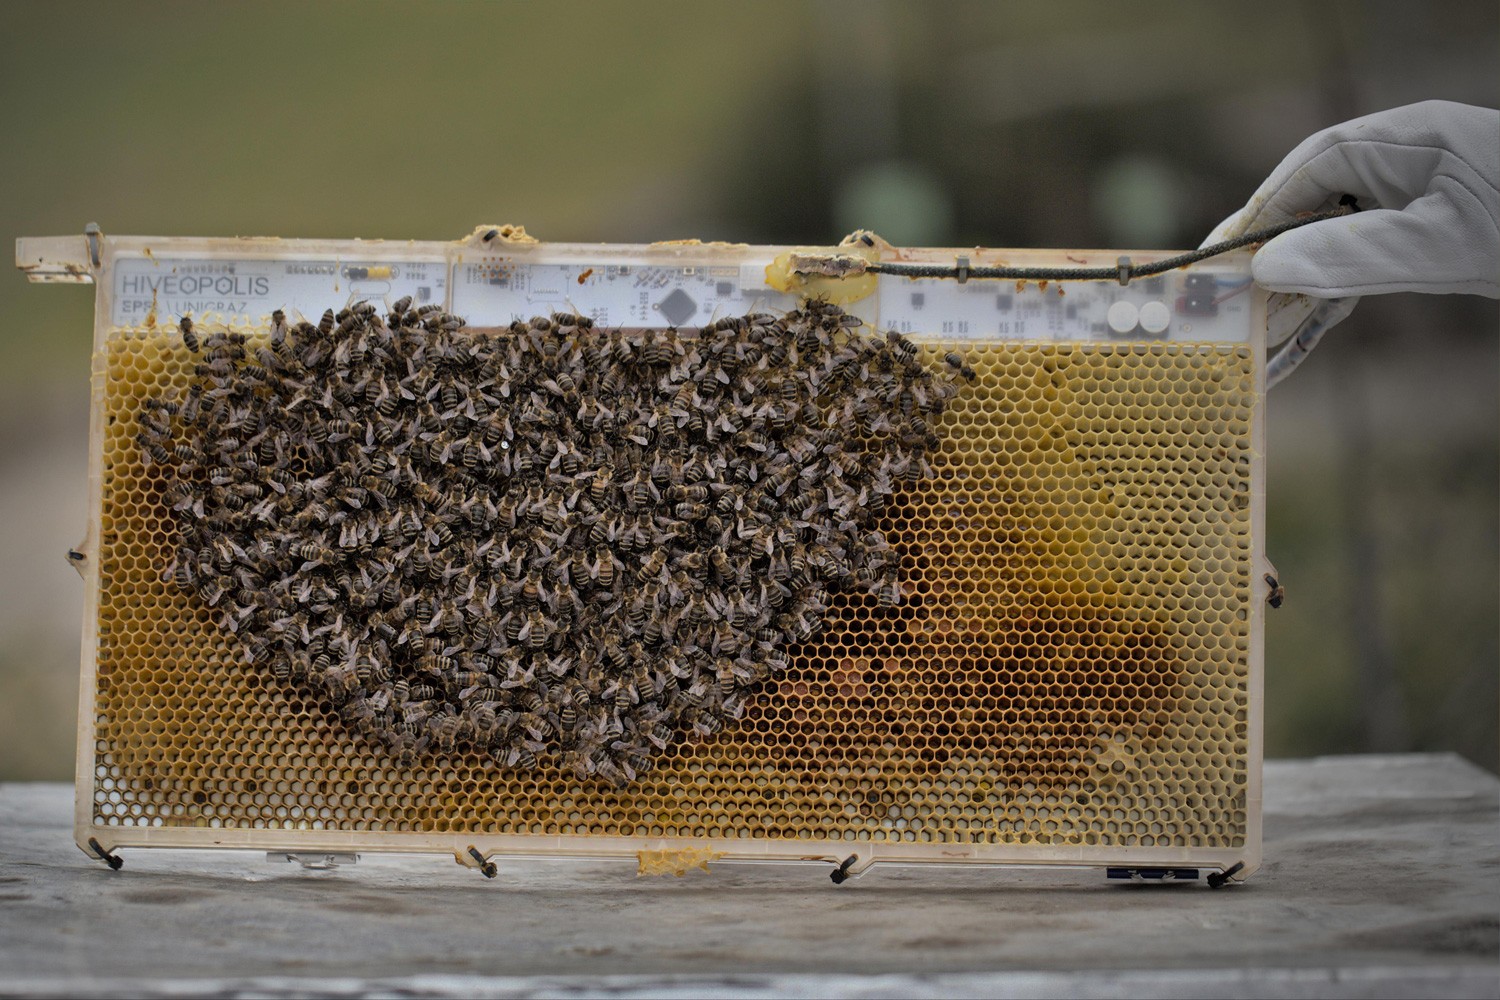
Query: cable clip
[[1125, 270], [962, 273], [840, 875], [1218, 879], [113, 860]]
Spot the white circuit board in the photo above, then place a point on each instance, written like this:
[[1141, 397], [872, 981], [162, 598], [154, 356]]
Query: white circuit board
[[1202, 303]]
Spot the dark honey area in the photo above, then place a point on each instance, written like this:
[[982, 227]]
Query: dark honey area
[[1069, 665]]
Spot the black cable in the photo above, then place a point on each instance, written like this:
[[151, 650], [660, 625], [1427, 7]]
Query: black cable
[[1123, 272]]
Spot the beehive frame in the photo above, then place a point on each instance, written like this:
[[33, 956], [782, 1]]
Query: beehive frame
[[973, 725]]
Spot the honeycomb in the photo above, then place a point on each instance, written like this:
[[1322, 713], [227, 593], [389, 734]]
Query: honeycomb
[[1070, 666]]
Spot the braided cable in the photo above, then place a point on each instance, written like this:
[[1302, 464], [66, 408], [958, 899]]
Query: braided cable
[[1123, 272]]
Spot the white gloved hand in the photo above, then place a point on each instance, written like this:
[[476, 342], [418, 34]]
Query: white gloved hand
[[1428, 177]]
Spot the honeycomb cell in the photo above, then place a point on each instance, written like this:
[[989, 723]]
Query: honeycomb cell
[[1069, 664]]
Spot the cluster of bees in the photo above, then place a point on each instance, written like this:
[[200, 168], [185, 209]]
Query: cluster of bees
[[550, 539]]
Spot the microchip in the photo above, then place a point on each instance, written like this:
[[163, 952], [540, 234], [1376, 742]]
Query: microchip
[[678, 307]]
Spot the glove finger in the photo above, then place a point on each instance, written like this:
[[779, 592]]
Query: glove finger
[[1312, 178], [1327, 314], [1387, 251], [1316, 181], [1385, 160], [1285, 314]]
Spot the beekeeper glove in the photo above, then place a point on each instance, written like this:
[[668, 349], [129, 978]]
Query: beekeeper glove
[[1428, 178]]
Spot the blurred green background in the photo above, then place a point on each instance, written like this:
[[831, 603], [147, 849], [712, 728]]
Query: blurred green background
[[1003, 124]]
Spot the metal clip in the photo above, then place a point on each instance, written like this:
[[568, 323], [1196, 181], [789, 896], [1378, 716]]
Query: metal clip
[[1218, 879], [840, 875], [92, 233], [962, 272], [1125, 268], [113, 860], [486, 868]]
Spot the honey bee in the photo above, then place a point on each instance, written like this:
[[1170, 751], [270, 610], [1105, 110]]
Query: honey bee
[[614, 655], [727, 679], [959, 366], [654, 564], [605, 767], [190, 406], [519, 757], [532, 590], [637, 609], [690, 511], [903, 349], [437, 665], [1275, 592], [482, 718], [602, 569], [697, 492], [312, 552], [183, 574], [445, 729], [539, 629]]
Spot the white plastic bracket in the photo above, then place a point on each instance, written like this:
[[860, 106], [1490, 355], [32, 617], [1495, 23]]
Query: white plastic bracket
[[63, 260]]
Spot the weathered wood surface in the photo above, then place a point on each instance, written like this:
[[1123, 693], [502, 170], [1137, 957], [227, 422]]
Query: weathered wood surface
[[1382, 878]]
